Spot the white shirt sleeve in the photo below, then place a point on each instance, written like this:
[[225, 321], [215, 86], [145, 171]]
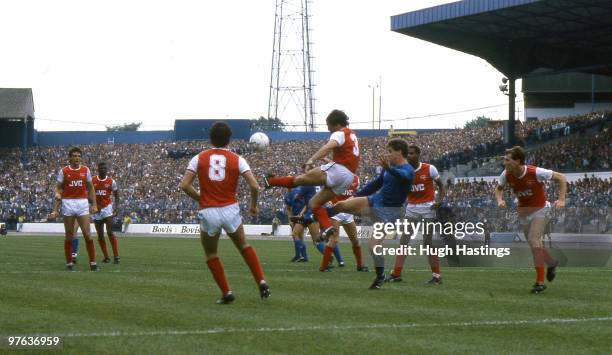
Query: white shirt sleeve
[[193, 164], [433, 172], [243, 165], [88, 175], [502, 179], [543, 174], [337, 136], [60, 176], [114, 187]]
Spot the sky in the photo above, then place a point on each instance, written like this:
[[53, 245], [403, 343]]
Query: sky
[[92, 64]]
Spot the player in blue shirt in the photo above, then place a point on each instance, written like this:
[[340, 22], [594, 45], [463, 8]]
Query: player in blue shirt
[[383, 198], [296, 201]]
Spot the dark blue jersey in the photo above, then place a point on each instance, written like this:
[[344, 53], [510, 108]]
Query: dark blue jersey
[[390, 188], [298, 197]]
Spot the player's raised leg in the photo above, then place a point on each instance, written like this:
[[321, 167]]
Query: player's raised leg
[[336, 176]]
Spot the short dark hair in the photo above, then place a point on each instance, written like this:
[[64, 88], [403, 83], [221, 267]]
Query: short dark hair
[[337, 117], [399, 144], [73, 150], [220, 133], [102, 163], [517, 153], [415, 148]]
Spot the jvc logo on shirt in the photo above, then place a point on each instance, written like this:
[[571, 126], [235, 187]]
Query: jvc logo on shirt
[[101, 192], [418, 187], [525, 193], [76, 183]]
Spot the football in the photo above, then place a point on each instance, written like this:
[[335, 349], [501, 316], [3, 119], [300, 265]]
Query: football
[[259, 141]]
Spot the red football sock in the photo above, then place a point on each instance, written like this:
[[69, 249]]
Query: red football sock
[[102, 243], [539, 274], [357, 253], [91, 251], [250, 257], [327, 252], [114, 245], [322, 217], [538, 261], [216, 268], [434, 264], [283, 181], [68, 251], [399, 265]]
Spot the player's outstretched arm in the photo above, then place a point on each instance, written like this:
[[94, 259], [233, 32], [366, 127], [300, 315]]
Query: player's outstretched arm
[[254, 187], [57, 201], [441, 190], [562, 181], [322, 152], [371, 187], [499, 196], [187, 185]]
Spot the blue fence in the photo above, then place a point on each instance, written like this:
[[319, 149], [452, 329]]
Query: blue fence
[[101, 137]]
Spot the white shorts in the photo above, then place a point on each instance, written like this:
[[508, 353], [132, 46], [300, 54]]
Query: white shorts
[[420, 211], [541, 213], [343, 218], [212, 219], [339, 178], [75, 207], [103, 213]]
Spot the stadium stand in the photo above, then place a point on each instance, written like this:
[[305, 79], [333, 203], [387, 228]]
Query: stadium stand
[[148, 174]]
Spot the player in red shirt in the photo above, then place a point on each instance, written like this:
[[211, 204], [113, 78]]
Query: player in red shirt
[[335, 176], [106, 186], [347, 221], [527, 182], [218, 170], [74, 190], [420, 207]]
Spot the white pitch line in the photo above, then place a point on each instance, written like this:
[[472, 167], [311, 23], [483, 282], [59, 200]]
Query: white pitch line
[[334, 327]]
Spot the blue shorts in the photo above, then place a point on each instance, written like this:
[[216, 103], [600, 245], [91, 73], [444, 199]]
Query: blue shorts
[[307, 220]]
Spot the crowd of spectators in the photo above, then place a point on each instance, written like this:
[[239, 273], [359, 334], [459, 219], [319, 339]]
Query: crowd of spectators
[[580, 153], [149, 174]]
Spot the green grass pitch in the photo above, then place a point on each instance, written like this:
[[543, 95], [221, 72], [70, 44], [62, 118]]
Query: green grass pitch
[[161, 300]]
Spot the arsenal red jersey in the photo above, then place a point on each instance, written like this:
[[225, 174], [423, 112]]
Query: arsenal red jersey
[[529, 188], [347, 152], [74, 181], [422, 190], [104, 189], [352, 189], [218, 171]]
